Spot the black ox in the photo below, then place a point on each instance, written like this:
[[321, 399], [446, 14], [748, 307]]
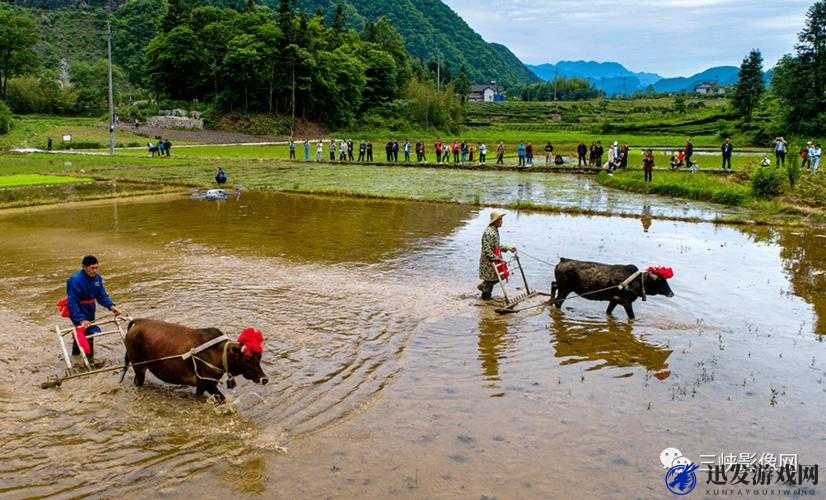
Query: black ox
[[596, 281]]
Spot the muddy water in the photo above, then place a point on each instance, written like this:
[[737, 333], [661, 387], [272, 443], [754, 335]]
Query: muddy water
[[388, 377]]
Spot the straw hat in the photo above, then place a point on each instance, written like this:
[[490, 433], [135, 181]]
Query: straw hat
[[495, 216]]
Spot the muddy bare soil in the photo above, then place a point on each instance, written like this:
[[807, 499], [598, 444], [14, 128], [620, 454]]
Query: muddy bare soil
[[388, 377]]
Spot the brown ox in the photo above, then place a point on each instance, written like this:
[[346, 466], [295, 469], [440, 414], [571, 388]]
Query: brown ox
[[148, 340]]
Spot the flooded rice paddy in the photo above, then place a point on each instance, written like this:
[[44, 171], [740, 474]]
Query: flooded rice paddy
[[388, 377]]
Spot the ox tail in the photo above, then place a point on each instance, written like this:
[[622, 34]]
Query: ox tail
[[125, 364]]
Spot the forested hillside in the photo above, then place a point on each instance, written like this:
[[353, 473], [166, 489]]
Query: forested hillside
[[74, 29]]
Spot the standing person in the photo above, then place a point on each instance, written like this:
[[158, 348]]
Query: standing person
[[419, 151], [599, 151], [342, 151], [805, 162], [727, 149], [689, 152], [369, 152], [471, 150], [362, 151], [167, 146], [814, 156], [529, 154], [624, 156], [406, 149], [549, 153], [396, 151], [83, 289], [456, 149], [780, 151], [592, 154], [437, 148], [388, 151], [49, 144], [581, 151], [464, 152], [500, 154], [424, 152], [319, 150], [520, 153], [483, 152], [332, 147], [491, 255], [292, 149], [306, 150], [648, 165], [350, 150]]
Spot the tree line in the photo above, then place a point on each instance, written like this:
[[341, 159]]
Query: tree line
[[235, 57], [559, 89]]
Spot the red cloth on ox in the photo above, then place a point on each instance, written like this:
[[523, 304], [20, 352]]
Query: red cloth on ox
[[501, 267], [252, 339], [662, 272], [82, 341]]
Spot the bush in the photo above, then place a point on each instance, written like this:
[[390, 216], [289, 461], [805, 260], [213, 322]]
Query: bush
[[5, 118], [29, 94], [793, 169], [811, 190], [254, 124], [767, 182]]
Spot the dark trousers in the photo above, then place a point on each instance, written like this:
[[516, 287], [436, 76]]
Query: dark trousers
[[369, 156], [438, 157], [361, 156], [780, 158], [726, 159], [500, 158], [487, 289], [482, 157], [292, 154], [649, 175], [582, 161], [688, 160], [455, 157]]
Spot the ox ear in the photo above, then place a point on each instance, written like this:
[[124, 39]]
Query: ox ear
[[653, 276], [236, 349]]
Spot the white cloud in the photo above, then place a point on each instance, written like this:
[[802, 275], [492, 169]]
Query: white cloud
[[666, 36]]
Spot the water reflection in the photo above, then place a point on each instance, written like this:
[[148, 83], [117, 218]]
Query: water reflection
[[645, 218], [608, 343], [493, 344], [803, 254]]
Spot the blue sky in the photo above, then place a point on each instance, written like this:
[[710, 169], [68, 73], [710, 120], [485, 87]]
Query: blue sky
[[669, 37]]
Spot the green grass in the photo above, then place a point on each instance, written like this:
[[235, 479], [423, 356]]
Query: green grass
[[33, 131], [726, 190], [37, 179]]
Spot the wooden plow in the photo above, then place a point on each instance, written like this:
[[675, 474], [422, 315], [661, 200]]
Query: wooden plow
[[114, 325], [514, 299]]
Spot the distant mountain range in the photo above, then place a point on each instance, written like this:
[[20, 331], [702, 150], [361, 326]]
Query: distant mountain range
[[615, 79]]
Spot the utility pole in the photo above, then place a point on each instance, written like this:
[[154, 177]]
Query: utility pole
[[438, 73], [111, 98]]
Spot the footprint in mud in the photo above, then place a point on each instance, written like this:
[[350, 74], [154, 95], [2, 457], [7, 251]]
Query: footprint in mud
[[466, 440]]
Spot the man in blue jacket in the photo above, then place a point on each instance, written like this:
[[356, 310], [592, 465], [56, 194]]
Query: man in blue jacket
[[83, 289]]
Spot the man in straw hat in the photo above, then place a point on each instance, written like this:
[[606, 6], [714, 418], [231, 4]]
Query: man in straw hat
[[491, 254]]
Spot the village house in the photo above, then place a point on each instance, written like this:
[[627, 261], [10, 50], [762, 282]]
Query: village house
[[709, 88], [485, 93]]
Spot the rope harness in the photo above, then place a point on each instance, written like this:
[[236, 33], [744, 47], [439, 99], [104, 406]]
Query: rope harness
[[191, 354]]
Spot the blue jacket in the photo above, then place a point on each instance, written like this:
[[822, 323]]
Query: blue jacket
[[80, 287]]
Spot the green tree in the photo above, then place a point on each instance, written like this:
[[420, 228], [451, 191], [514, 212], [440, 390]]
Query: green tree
[[5, 118], [18, 35], [798, 79], [91, 85], [462, 85], [175, 63], [133, 25], [242, 65], [749, 88], [679, 103]]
